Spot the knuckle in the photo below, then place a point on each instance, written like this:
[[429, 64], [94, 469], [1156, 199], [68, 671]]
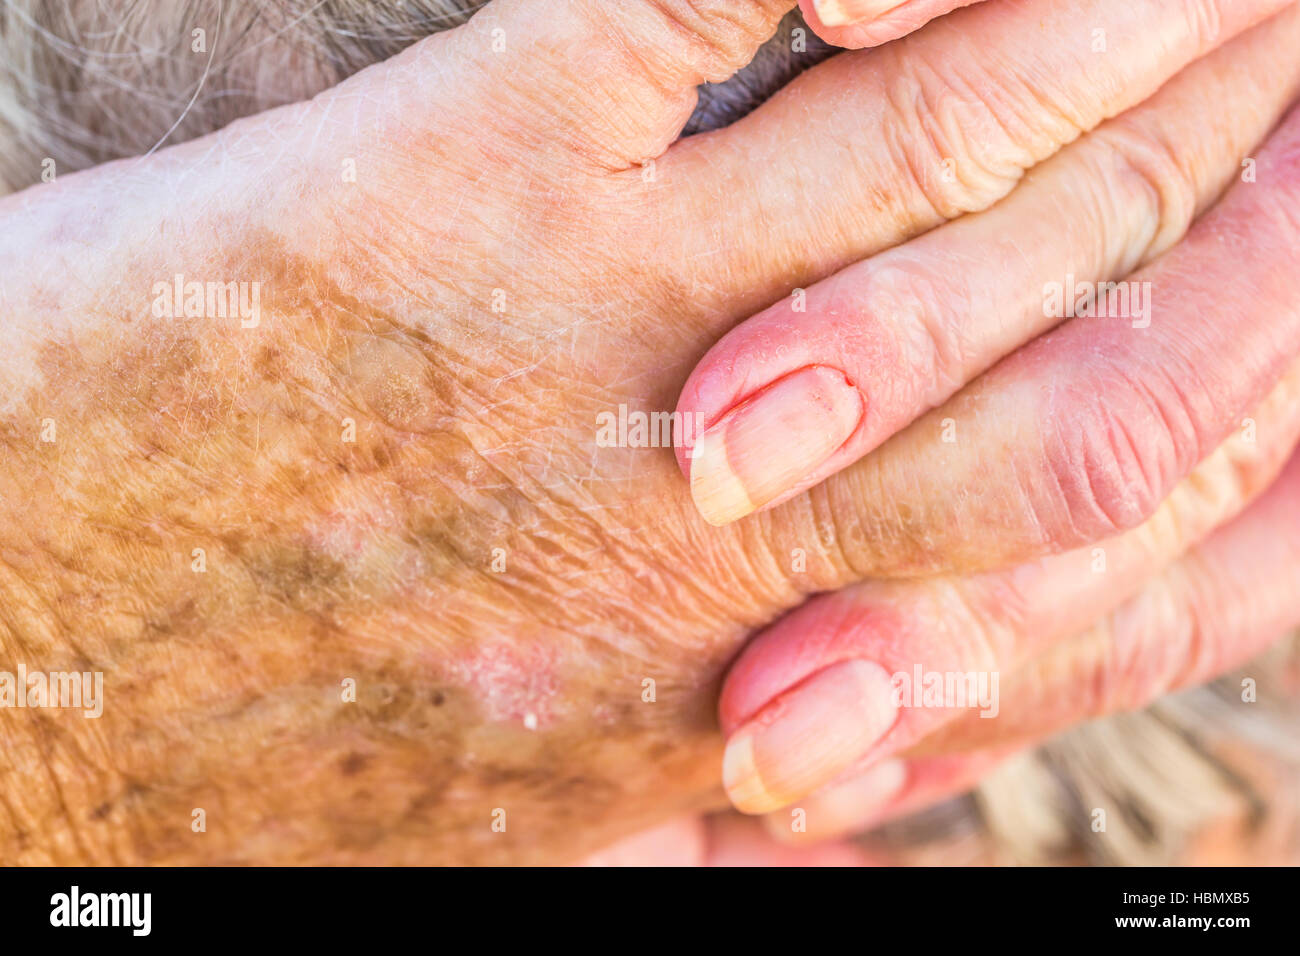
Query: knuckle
[[914, 308], [1203, 21], [1106, 480], [1114, 448], [1124, 645], [959, 145], [975, 637], [720, 34], [1141, 163], [1157, 643]]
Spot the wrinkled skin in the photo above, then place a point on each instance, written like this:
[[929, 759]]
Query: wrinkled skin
[[471, 342], [326, 560]]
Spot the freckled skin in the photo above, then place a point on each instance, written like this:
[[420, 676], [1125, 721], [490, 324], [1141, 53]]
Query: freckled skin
[[468, 305], [371, 560]]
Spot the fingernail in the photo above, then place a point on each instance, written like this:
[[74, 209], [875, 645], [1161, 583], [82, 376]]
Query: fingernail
[[843, 807], [769, 443], [841, 13], [808, 736]]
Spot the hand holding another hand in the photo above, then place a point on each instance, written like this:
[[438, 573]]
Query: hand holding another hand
[[533, 622]]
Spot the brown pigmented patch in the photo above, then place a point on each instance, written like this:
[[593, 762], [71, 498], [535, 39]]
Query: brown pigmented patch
[[328, 561], [353, 764]]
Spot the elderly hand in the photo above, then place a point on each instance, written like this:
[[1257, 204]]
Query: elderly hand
[[990, 440], [372, 565]]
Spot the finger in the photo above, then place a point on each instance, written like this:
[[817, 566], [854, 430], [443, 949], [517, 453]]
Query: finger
[[1214, 609], [835, 684], [610, 83], [860, 799], [859, 23], [912, 325], [1082, 432], [872, 148]]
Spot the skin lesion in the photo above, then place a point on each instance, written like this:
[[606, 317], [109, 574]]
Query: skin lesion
[[180, 512], [199, 530], [209, 530]]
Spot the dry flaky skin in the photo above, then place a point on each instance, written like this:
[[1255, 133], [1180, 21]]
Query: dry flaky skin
[[329, 560], [371, 561]]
